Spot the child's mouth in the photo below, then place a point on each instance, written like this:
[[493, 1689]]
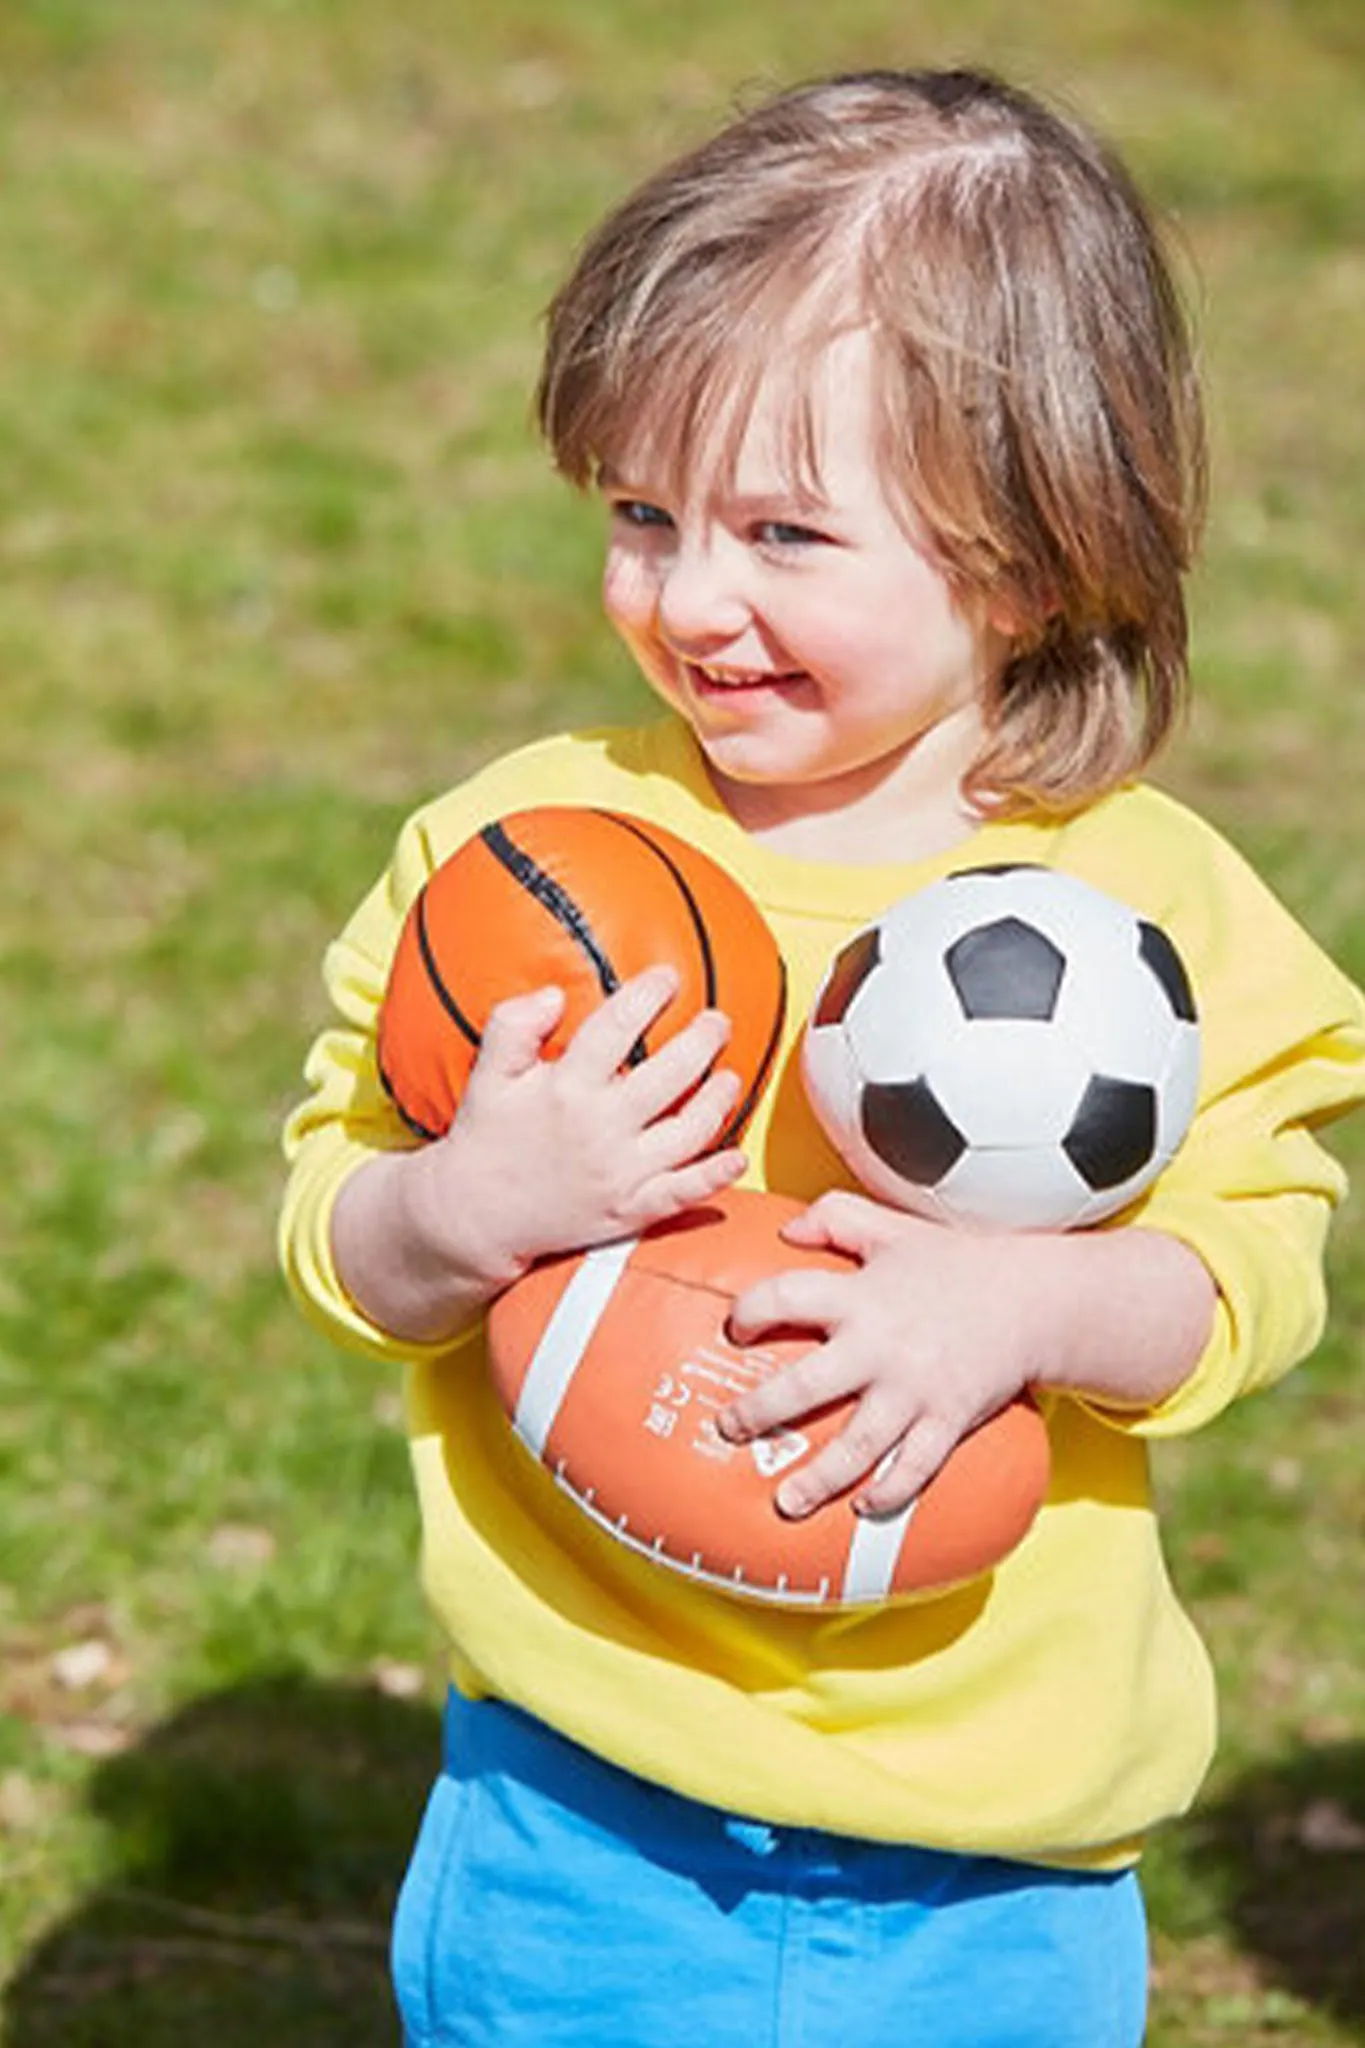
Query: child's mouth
[[741, 682]]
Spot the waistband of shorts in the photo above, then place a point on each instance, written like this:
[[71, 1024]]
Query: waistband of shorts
[[492, 1739]]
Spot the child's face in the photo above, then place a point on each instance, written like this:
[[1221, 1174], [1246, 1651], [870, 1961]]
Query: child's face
[[818, 652]]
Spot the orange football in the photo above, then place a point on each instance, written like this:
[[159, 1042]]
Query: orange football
[[585, 898], [614, 1364]]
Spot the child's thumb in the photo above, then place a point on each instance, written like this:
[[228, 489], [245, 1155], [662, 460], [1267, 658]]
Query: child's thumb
[[841, 1221], [516, 1032]]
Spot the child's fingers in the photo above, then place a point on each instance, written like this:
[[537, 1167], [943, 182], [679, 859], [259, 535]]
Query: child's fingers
[[606, 1038], [908, 1468], [811, 1297], [689, 1186], [849, 1222], [875, 1427], [811, 1381], [670, 1141], [653, 1087], [515, 1032]]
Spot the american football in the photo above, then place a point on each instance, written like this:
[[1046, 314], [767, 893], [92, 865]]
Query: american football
[[628, 1428], [1008, 1048]]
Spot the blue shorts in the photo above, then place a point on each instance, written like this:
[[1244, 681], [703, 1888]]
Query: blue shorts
[[554, 1900]]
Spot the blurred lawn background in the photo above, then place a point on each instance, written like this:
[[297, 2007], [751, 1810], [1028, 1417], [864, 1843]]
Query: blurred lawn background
[[278, 557]]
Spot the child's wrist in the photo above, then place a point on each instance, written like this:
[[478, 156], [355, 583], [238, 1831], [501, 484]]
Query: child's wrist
[[1121, 1315], [451, 1232]]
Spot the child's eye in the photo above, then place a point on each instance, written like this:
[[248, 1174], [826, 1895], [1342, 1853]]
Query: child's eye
[[639, 512], [784, 533]]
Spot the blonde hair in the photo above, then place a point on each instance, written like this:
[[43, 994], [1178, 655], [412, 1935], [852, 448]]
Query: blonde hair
[[1034, 374]]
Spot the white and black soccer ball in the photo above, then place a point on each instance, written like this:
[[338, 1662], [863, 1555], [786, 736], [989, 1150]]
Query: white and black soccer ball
[[1008, 1048]]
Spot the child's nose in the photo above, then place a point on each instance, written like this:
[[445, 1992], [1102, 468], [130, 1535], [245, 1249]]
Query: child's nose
[[701, 601]]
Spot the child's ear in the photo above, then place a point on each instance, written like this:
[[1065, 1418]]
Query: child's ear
[[1003, 606], [1017, 618]]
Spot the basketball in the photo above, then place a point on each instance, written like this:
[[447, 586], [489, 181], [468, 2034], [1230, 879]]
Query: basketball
[[585, 899], [614, 1364]]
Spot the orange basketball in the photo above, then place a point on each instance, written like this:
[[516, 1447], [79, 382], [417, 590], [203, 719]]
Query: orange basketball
[[584, 898], [614, 1364]]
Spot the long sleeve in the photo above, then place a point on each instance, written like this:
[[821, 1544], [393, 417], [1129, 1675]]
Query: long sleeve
[[347, 1117], [1252, 1188]]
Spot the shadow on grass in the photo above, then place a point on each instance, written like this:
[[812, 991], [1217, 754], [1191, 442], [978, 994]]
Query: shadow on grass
[[1285, 1850], [261, 1837]]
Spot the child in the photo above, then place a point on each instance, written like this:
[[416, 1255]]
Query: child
[[889, 397]]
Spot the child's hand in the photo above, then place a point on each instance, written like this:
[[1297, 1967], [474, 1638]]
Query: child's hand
[[927, 1332], [574, 1151]]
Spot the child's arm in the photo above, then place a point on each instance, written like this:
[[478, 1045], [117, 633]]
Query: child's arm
[[936, 1329], [544, 1156]]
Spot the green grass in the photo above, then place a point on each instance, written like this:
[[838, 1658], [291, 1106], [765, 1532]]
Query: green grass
[[278, 555]]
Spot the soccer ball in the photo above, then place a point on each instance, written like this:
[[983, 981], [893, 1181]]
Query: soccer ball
[[1008, 1048]]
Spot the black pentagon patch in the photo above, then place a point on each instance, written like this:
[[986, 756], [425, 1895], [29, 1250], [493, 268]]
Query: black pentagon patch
[[1158, 950], [851, 968], [909, 1131], [1005, 969], [1113, 1133]]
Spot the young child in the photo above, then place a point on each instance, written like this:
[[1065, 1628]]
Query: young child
[[889, 397]]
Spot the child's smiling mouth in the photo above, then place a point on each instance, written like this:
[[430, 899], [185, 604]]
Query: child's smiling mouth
[[713, 677]]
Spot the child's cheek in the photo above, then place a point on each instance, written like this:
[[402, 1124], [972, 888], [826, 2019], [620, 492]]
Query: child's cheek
[[627, 591], [630, 599]]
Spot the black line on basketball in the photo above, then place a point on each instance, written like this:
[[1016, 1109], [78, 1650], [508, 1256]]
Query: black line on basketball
[[744, 1109], [443, 995], [708, 961], [553, 897], [419, 1130]]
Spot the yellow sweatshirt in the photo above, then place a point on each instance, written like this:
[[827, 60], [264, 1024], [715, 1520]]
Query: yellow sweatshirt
[[1053, 1711]]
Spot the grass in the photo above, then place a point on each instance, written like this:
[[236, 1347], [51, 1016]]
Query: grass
[[278, 554]]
